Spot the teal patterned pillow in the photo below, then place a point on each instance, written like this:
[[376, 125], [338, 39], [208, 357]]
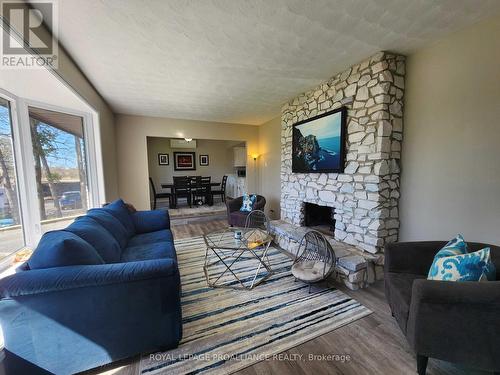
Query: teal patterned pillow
[[453, 263], [456, 246], [248, 202]]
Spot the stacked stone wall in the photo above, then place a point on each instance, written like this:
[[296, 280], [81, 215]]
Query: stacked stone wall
[[366, 195]]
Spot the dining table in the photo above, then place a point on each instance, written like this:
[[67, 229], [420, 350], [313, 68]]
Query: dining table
[[170, 186]]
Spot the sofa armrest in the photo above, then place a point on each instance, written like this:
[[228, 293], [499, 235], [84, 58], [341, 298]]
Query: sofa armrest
[[72, 277], [456, 321], [151, 221], [411, 257], [456, 292]]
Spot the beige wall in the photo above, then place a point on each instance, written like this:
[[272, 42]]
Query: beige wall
[[74, 78], [132, 155], [269, 165], [48, 89], [220, 155], [451, 153]]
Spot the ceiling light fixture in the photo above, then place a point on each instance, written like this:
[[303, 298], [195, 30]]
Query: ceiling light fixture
[[188, 139]]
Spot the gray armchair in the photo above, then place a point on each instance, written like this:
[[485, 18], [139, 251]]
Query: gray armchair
[[452, 321], [237, 218]]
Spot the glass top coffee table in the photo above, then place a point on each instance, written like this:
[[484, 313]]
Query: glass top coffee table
[[237, 263]]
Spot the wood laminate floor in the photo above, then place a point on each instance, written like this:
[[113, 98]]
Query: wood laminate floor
[[374, 344]]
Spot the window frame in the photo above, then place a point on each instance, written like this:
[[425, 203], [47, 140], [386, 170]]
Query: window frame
[[24, 161], [19, 163]]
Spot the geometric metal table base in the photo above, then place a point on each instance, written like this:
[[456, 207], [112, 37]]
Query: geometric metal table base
[[229, 253]]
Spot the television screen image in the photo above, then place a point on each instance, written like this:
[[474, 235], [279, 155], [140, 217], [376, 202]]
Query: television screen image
[[318, 144]]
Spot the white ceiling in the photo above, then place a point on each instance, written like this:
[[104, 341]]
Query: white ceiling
[[238, 61]]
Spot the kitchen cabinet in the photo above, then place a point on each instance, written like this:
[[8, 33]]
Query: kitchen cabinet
[[240, 156]]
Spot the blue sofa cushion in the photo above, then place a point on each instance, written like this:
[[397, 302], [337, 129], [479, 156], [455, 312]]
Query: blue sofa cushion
[[111, 224], [158, 250], [95, 234], [164, 235], [60, 248], [119, 210], [151, 221]]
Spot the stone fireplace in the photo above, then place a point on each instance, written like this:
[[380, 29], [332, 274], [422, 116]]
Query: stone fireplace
[[364, 197]]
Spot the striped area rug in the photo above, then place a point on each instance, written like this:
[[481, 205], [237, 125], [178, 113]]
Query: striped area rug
[[226, 330]]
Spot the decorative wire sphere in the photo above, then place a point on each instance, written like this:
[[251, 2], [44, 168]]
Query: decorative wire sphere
[[315, 259]]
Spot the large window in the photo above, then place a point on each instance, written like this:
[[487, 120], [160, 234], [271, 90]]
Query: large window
[[48, 170], [60, 166]]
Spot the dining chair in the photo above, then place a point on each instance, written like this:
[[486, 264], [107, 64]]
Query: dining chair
[[195, 186], [221, 191], [182, 189], [205, 190], [195, 181], [157, 196]]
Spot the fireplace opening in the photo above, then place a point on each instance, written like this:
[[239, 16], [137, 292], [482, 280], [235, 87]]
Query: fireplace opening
[[319, 218]]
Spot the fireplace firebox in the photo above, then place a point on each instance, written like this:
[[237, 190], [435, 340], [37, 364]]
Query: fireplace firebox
[[319, 217]]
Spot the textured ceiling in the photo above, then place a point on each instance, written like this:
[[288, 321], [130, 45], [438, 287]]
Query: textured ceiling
[[239, 61]]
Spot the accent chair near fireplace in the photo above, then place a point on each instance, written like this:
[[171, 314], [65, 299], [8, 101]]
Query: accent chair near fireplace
[[452, 321], [237, 218]]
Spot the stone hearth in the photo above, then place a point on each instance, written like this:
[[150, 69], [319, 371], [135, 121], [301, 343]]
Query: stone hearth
[[355, 268], [365, 196]]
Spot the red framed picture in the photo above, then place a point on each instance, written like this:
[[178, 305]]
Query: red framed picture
[[184, 161]]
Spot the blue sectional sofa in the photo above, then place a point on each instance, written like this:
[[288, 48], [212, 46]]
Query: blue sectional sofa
[[105, 288]]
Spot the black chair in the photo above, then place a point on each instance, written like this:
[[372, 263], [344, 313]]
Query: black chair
[[157, 196], [182, 189], [202, 190], [237, 218], [196, 188], [452, 321], [195, 181], [221, 191], [206, 190]]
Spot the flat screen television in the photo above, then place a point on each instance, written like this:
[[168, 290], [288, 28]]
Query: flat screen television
[[318, 143]]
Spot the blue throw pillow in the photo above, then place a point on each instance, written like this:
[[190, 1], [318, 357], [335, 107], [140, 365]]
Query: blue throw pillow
[[119, 210], [60, 248], [103, 242], [454, 263], [248, 202], [111, 224]]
